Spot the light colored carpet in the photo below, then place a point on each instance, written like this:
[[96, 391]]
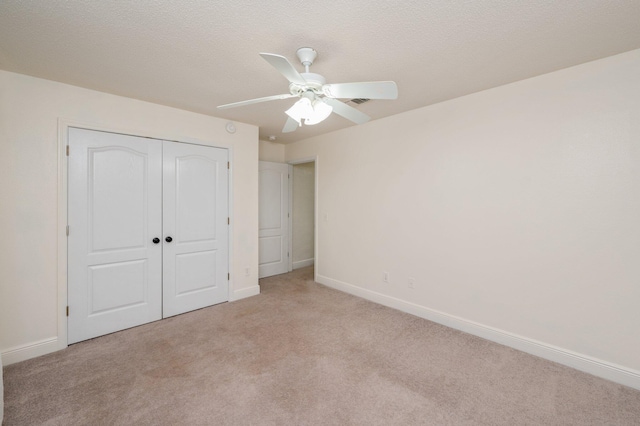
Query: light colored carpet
[[303, 354]]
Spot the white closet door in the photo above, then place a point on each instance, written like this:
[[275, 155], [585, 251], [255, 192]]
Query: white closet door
[[115, 197], [195, 213], [273, 234]]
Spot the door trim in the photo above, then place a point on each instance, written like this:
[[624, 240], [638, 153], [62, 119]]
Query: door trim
[[60, 342], [290, 219], [316, 207]]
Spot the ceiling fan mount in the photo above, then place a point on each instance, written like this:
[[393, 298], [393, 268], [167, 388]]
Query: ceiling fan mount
[[317, 98], [306, 55]]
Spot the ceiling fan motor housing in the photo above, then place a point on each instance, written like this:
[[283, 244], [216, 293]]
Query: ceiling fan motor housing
[[314, 83]]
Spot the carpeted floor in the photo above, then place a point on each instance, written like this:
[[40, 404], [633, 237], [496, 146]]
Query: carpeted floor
[[303, 354]]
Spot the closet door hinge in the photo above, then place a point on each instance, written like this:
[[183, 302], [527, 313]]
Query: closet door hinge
[[228, 276], [67, 150], [67, 311], [67, 230], [228, 221], [228, 165]]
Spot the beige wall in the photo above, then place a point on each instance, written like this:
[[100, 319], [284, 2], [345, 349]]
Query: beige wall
[[303, 212], [514, 209], [31, 300], [271, 151]]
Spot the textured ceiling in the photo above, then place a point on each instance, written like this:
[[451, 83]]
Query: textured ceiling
[[196, 55]]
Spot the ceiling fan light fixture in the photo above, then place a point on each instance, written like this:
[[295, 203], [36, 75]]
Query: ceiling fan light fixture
[[300, 110], [309, 109], [320, 113]]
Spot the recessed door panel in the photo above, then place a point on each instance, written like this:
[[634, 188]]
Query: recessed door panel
[[115, 200], [117, 286], [195, 212], [195, 272], [272, 187], [270, 250], [117, 188], [196, 193]]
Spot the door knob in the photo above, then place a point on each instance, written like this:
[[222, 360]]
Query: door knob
[[168, 239], [156, 240]]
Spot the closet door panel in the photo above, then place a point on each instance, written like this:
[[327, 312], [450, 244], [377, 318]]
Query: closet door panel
[[195, 212], [114, 271]]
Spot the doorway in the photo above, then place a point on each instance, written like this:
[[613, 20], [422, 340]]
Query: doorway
[[287, 234]]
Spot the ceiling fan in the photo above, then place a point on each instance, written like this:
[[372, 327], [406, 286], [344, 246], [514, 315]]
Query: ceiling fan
[[317, 98]]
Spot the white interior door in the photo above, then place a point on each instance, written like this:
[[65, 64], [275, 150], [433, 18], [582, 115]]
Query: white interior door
[[195, 215], [148, 230], [115, 197], [273, 218]]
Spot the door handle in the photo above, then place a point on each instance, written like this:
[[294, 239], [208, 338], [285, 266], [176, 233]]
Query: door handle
[[168, 239], [156, 240]]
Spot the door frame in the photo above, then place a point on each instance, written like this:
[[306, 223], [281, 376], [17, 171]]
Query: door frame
[[290, 218], [61, 342], [316, 160]]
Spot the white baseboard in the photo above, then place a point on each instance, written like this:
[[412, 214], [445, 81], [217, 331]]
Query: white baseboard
[[45, 346], [245, 292], [303, 263], [32, 350], [597, 367]]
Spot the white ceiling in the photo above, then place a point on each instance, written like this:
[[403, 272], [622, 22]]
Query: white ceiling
[[197, 54]]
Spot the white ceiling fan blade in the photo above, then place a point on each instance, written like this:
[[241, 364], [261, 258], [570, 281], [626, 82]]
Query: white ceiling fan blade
[[257, 100], [284, 66], [346, 111], [365, 90], [290, 126]]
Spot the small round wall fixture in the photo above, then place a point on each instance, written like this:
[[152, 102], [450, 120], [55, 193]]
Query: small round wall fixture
[[231, 128]]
